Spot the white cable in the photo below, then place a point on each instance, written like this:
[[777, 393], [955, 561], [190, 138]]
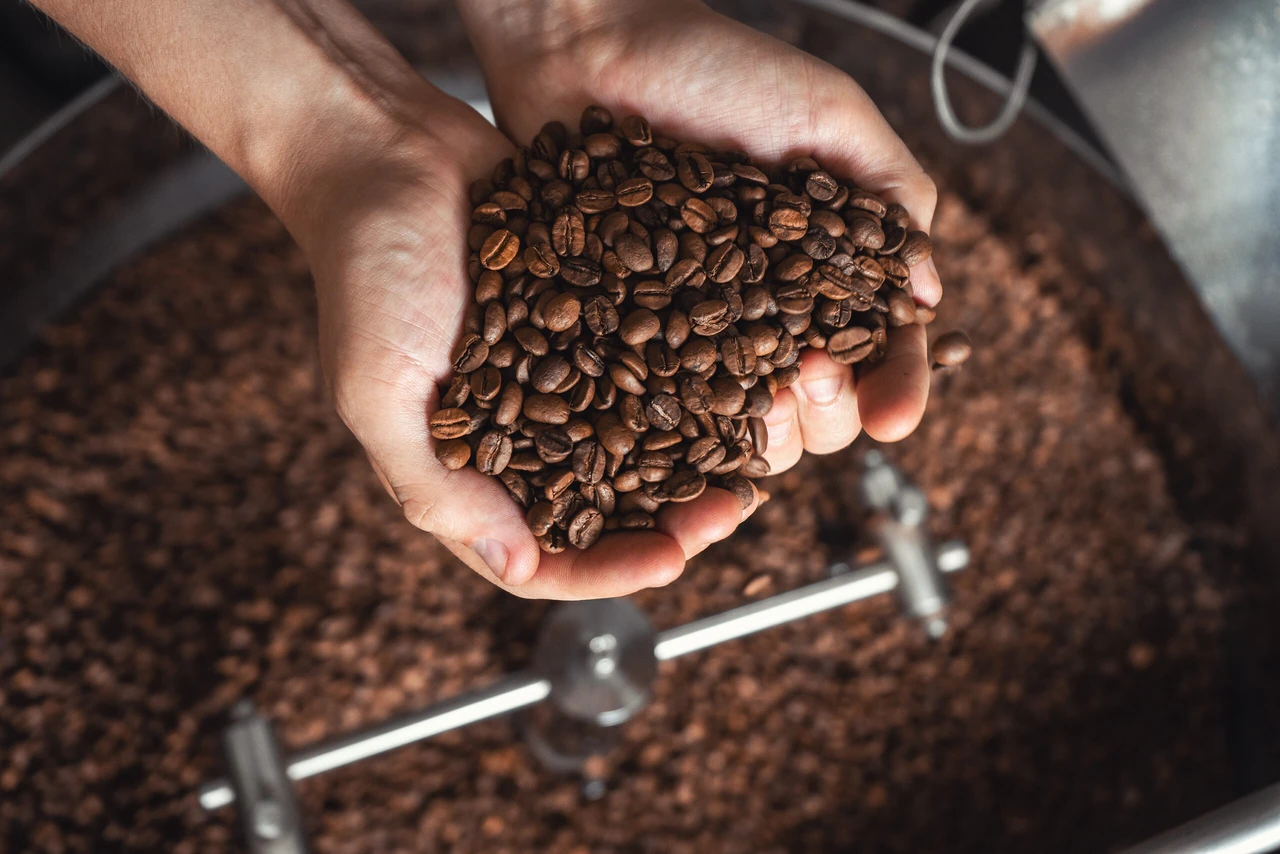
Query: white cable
[[942, 100]]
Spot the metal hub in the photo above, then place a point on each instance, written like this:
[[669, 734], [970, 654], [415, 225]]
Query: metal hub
[[599, 659]]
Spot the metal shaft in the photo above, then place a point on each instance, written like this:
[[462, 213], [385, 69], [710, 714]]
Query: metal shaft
[[508, 695], [1250, 825], [785, 607]]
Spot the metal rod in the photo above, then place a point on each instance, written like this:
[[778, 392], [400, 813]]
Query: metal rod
[[508, 695], [1250, 825], [785, 607]]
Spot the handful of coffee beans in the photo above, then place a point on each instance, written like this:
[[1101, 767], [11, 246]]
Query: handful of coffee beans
[[638, 303]]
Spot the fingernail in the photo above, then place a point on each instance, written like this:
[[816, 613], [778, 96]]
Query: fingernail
[[933, 268], [494, 554], [824, 391], [779, 432]]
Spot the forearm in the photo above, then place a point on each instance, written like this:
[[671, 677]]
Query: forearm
[[276, 88]]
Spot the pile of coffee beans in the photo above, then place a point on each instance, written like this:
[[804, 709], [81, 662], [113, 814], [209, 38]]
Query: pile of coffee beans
[[638, 303]]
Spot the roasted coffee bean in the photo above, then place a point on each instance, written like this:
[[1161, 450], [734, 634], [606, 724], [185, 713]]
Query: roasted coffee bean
[[493, 453], [633, 253], [639, 326], [581, 272], [631, 411], [759, 434], [450, 423], [486, 382], [686, 273], [495, 323], [517, 486], [951, 349], [550, 373], [663, 412], [510, 402], [849, 345], [586, 527], [546, 408], [654, 466], [553, 542], [684, 486], [457, 394], [660, 440], [453, 454], [695, 172], [469, 353], [561, 312], [709, 318], [738, 355], [902, 308], [788, 223], [705, 453], [727, 396], [759, 401], [696, 395], [724, 262], [742, 489], [541, 518], [636, 521], [499, 250], [654, 165], [553, 445], [540, 260]]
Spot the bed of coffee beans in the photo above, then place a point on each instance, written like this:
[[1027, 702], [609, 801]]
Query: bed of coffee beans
[[638, 303]]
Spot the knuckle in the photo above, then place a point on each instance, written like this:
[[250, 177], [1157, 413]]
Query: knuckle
[[423, 514]]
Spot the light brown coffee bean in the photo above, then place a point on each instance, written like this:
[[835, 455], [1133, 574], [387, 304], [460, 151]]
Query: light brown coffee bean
[[546, 408], [453, 454], [902, 308], [695, 172], [470, 353], [951, 349], [549, 373], [684, 485], [849, 345], [510, 402], [486, 383], [451, 423], [654, 466], [639, 326], [561, 312]]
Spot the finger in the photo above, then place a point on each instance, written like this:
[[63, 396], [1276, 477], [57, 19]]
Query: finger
[[892, 394], [710, 518], [786, 443], [619, 564], [826, 404]]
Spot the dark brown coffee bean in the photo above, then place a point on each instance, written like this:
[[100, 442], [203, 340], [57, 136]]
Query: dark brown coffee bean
[[818, 244], [654, 466], [489, 214], [581, 272], [705, 453], [663, 412], [865, 232], [663, 361], [849, 345], [654, 165], [821, 186], [453, 454], [727, 397], [626, 379], [738, 355], [450, 424], [495, 323], [546, 408], [553, 445], [695, 172], [724, 262], [588, 462], [550, 373], [742, 489], [532, 341], [627, 481], [557, 484], [916, 248], [600, 315], [698, 355], [595, 119], [587, 360], [951, 349], [639, 326], [568, 233], [540, 260], [699, 216], [615, 437], [686, 273], [902, 308], [633, 253], [709, 318], [499, 249], [493, 453], [794, 299], [634, 192], [517, 486], [759, 401], [485, 382], [540, 517], [759, 434], [658, 440], [684, 486], [510, 201], [553, 542], [457, 394], [470, 353], [561, 312], [756, 467], [510, 402], [583, 395], [586, 527], [635, 129], [526, 461]]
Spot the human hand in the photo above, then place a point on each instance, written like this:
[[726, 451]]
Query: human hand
[[698, 76]]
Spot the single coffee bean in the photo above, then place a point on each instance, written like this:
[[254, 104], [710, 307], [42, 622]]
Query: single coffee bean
[[470, 353], [493, 453], [696, 395], [951, 349], [684, 485], [742, 489], [557, 484], [663, 412], [738, 355], [459, 391], [586, 527], [550, 373], [654, 466], [486, 382], [588, 462], [495, 323], [510, 402], [517, 486], [615, 437], [925, 315], [686, 273], [728, 396], [580, 272], [705, 453], [631, 411], [499, 250], [546, 408], [695, 172], [540, 518], [902, 308], [849, 345], [633, 253], [540, 260], [699, 216], [634, 192], [628, 480], [787, 223], [453, 454], [654, 165], [724, 262], [658, 440], [759, 434], [709, 318], [451, 423], [561, 312], [759, 400], [553, 446], [639, 326]]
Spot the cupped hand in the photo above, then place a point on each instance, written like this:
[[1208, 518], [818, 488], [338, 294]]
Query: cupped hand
[[386, 233], [699, 76]]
